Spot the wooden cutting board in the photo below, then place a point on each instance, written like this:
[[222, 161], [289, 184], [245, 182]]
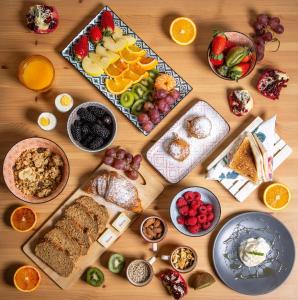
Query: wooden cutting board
[[149, 187]]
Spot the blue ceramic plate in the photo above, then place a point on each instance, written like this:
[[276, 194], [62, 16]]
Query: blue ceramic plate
[[207, 197], [268, 275], [99, 82]]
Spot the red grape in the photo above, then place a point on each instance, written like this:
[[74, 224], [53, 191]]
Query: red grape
[[137, 158], [166, 109], [259, 40], [143, 118], [279, 29], [132, 174], [273, 22], [169, 99], [260, 32], [154, 116], [263, 19], [257, 26], [111, 152], [120, 153], [108, 160], [147, 126], [119, 164], [175, 94], [267, 36], [161, 104], [148, 105], [128, 158], [159, 94]]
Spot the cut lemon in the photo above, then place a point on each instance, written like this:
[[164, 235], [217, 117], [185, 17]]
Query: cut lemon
[[148, 63], [23, 219], [26, 279], [183, 31], [129, 57], [277, 196], [134, 49], [118, 85]]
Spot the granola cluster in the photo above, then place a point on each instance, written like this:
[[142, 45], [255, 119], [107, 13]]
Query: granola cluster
[[38, 172]]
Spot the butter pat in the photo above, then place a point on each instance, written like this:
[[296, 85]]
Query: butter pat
[[107, 238], [121, 222]]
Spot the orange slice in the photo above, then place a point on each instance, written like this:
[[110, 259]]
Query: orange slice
[[277, 196], [183, 31], [136, 68], [134, 77], [113, 71], [23, 219], [118, 85], [134, 49], [26, 279], [148, 63], [129, 57]]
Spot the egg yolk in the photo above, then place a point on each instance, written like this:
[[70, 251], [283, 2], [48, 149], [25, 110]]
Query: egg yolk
[[44, 121], [65, 100]]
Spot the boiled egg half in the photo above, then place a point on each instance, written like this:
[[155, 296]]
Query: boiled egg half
[[64, 102], [47, 121]]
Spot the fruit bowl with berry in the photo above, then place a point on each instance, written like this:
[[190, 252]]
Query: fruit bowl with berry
[[195, 211], [91, 127], [231, 55]]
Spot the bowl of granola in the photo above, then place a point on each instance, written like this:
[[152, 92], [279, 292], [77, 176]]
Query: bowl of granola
[[36, 170]]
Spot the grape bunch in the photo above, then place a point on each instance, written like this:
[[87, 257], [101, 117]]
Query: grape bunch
[[162, 101], [122, 160], [265, 28]]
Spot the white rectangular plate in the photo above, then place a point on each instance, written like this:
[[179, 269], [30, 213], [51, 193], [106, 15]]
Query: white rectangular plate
[[172, 170]]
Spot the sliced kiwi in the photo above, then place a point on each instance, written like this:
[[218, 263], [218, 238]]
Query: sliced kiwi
[[136, 96], [137, 107], [127, 99], [116, 263], [139, 89], [153, 73], [147, 96], [95, 277]]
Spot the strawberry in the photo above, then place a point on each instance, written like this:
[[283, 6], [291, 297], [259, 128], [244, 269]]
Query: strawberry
[[95, 34], [107, 23], [247, 58], [229, 45], [218, 43], [239, 70], [81, 48], [217, 60]]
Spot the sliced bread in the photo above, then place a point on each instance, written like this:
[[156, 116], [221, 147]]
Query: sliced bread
[[96, 210], [63, 241], [73, 229], [79, 214], [54, 257]]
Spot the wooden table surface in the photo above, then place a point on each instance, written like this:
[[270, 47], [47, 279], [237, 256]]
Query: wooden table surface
[[20, 107]]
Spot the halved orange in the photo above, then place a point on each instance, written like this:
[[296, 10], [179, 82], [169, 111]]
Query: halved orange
[[134, 49], [118, 85], [277, 196], [183, 31], [129, 57], [23, 219], [26, 279], [148, 63]]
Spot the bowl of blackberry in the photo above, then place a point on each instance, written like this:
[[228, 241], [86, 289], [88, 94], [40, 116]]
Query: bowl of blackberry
[[91, 127]]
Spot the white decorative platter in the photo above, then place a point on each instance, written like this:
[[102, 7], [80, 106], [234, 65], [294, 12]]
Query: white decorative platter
[[173, 171]]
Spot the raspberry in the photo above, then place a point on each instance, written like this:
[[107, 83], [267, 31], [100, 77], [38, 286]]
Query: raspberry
[[180, 220], [191, 221], [199, 201], [202, 219], [206, 225], [210, 217], [194, 228], [209, 207], [203, 209], [194, 205], [181, 202], [188, 196], [192, 212], [197, 195], [183, 210]]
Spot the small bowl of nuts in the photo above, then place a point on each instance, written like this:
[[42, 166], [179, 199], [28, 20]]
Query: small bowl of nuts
[[36, 170], [153, 229], [183, 259]]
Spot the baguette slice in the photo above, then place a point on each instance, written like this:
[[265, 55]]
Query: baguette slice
[[243, 161], [97, 211], [55, 258], [72, 229], [77, 213]]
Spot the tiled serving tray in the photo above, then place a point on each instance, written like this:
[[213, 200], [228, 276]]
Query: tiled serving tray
[[172, 170], [99, 82], [241, 187]]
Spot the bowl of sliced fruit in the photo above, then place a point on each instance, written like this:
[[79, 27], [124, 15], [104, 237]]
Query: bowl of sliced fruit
[[195, 211], [231, 55], [91, 127]]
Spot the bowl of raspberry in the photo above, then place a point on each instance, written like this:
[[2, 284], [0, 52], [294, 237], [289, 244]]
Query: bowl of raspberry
[[195, 211]]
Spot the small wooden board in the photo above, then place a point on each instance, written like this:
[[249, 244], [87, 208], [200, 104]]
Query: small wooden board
[[148, 190], [242, 189]]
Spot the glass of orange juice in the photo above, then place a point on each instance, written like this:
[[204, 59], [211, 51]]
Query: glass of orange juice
[[37, 73]]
